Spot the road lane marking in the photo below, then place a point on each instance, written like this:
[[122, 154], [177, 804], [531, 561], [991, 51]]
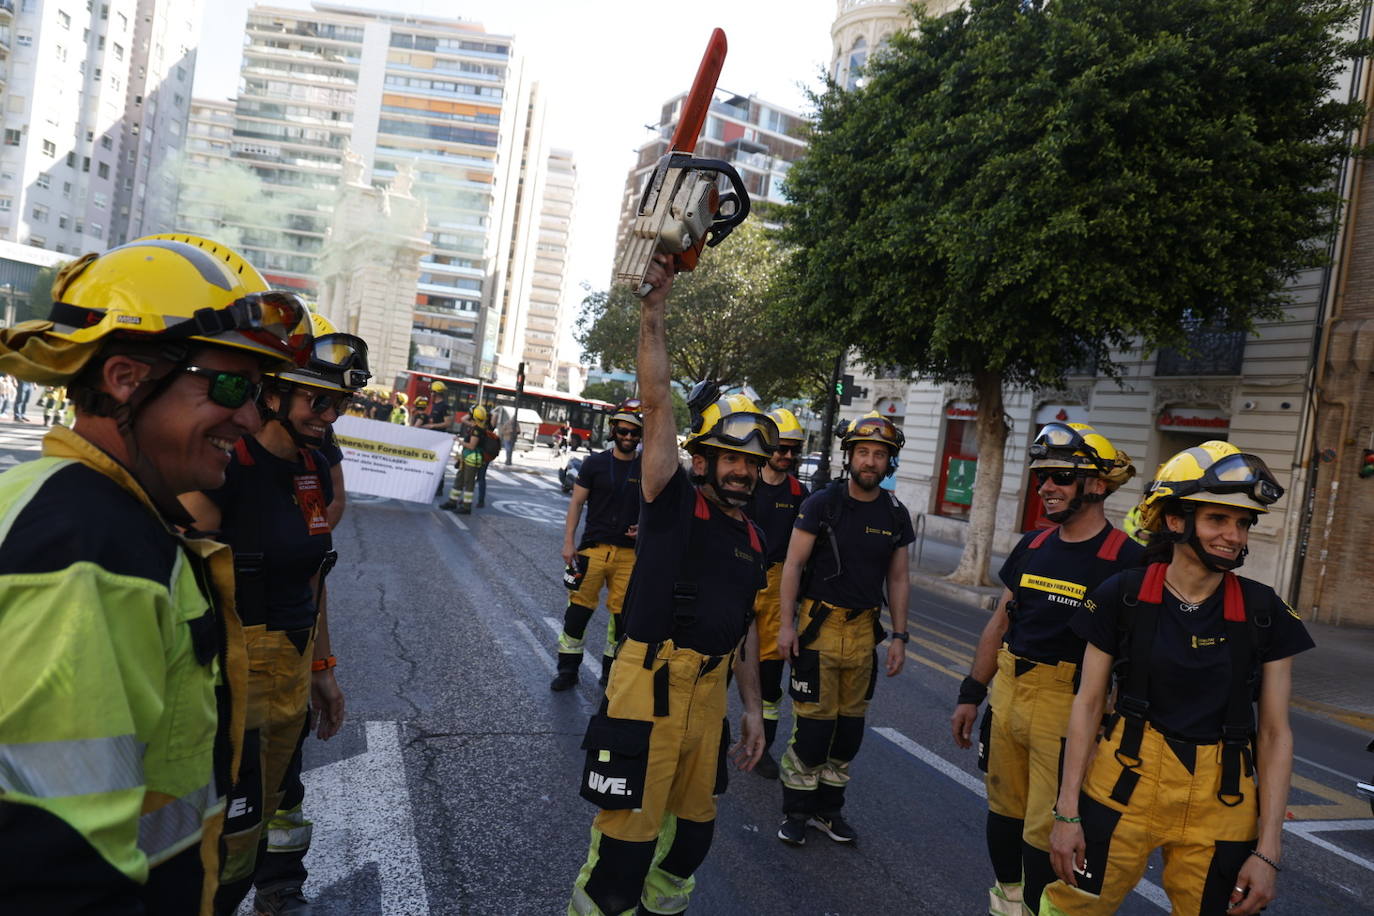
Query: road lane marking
[[539, 649], [455, 519], [1150, 891], [1322, 766], [1308, 830], [592, 664], [1342, 805], [539, 481]]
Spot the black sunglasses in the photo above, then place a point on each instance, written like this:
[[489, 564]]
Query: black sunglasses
[[320, 403], [1061, 476], [631, 431], [785, 449], [227, 389]]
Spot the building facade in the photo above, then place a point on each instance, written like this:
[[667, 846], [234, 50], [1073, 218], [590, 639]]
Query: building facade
[[549, 282], [96, 98]]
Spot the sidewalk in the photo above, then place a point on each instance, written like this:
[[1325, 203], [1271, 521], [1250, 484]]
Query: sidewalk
[[1335, 680]]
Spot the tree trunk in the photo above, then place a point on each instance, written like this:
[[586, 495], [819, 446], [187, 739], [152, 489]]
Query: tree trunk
[[982, 518]]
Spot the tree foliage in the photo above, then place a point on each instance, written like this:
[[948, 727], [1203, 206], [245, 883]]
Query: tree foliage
[[729, 320], [1020, 187]]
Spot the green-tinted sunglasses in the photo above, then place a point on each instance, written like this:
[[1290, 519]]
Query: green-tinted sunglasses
[[227, 389]]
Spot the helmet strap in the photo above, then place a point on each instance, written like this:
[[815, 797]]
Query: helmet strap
[[1063, 515], [282, 417]]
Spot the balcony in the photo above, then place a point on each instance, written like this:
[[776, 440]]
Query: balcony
[[6, 10], [1215, 351]]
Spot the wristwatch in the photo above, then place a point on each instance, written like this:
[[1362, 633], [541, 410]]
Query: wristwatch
[[904, 636]]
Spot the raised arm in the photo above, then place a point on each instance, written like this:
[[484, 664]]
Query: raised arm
[[659, 461]]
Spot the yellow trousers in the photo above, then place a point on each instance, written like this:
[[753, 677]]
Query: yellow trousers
[[1174, 807], [608, 566], [768, 614]]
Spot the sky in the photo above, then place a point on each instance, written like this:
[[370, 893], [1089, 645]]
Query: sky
[[606, 68]]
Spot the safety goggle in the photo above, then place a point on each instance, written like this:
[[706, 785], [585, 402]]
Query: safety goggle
[[275, 319], [739, 429], [227, 389], [1240, 473], [877, 428], [1057, 440], [344, 354], [630, 405]]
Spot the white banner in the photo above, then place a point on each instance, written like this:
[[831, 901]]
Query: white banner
[[387, 459]]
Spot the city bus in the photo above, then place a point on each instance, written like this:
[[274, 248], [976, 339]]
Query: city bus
[[585, 417]]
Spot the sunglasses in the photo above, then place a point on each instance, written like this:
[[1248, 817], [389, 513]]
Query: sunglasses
[[321, 403], [630, 431], [785, 449], [227, 389], [1062, 477]]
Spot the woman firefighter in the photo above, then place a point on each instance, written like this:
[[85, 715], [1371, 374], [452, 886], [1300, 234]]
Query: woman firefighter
[[1182, 764]]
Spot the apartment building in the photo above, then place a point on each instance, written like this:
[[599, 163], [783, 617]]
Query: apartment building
[[549, 283]]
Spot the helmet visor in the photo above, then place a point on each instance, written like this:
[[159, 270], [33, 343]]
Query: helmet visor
[[274, 319], [1062, 442], [739, 429], [876, 429], [1242, 473], [344, 354]]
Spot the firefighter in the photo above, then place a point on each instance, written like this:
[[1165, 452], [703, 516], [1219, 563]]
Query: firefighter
[[124, 709], [1181, 764], [272, 510], [399, 414], [656, 750], [608, 485], [437, 414], [777, 499], [1035, 655], [470, 462], [849, 539]]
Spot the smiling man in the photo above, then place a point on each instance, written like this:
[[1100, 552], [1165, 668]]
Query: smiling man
[[122, 665], [1029, 645]]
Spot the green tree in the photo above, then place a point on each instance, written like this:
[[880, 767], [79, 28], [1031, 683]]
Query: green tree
[[1024, 185], [612, 390], [730, 320], [38, 302]]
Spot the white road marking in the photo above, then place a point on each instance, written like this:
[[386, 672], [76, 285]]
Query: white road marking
[[1150, 891], [361, 809], [1308, 830], [539, 648], [592, 664], [455, 519], [531, 511], [1322, 766], [540, 481], [505, 477]]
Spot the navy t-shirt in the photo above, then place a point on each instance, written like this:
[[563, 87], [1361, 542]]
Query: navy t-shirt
[[262, 511], [1048, 585], [613, 503], [1190, 663], [716, 554], [865, 533], [774, 509]]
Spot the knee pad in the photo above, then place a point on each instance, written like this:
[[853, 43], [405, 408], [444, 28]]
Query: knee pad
[[770, 680], [575, 620], [618, 876], [691, 842], [849, 734], [1004, 847], [811, 740]]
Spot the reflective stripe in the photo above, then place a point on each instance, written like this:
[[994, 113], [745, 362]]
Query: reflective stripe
[[288, 831], [567, 643], [166, 830], [84, 766]]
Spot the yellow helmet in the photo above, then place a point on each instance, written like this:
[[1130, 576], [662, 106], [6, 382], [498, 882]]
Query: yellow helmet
[[630, 411], [401, 398], [338, 362], [438, 387], [422, 401], [789, 430], [479, 413], [1213, 472], [1080, 447], [734, 423]]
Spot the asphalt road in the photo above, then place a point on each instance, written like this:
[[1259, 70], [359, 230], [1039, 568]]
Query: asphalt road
[[453, 787]]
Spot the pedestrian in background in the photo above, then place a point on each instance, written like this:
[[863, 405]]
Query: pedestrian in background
[[21, 400], [7, 393], [510, 432]]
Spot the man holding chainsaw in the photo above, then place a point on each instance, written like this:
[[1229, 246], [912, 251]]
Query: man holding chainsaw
[[655, 751]]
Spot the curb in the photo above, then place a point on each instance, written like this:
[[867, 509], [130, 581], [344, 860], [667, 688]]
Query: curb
[[982, 597], [1358, 720]]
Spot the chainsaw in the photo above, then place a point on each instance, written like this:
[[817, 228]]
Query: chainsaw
[[682, 210]]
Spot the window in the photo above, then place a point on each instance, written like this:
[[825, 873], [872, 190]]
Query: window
[[97, 73], [12, 136], [104, 11], [67, 189], [40, 213], [61, 249], [118, 51], [181, 74], [64, 20], [106, 142], [71, 160], [123, 23], [177, 100], [85, 163], [79, 227], [96, 230], [38, 241], [100, 199], [102, 170], [6, 204], [24, 38], [100, 43], [64, 220], [44, 180], [90, 135], [60, 52], [49, 148]]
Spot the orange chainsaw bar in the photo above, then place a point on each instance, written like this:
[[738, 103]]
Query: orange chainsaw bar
[[694, 109]]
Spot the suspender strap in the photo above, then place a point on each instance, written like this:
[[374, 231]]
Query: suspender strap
[[651, 653], [661, 691], [1133, 701], [819, 613], [1238, 726]]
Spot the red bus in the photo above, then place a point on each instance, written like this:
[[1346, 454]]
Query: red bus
[[585, 417]]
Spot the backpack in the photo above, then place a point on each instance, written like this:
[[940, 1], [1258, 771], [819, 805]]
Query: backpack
[[490, 445]]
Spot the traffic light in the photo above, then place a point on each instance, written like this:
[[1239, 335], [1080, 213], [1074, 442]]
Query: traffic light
[[845, 389], [519, 384], [1367, 463]]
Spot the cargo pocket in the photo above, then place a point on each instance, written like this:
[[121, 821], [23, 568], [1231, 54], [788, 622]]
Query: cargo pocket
[[984, 739], [722, 770], [805, 683], [617, 762]]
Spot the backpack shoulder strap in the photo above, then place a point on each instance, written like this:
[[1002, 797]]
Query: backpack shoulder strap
[[1039, 540], [702, 509], [242, 453], [1111, 546], [794, 485]]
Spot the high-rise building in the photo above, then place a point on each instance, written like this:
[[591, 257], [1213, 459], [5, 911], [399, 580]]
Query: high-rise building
[[544, 321], [441, 94], [96, 99], [759, 138]]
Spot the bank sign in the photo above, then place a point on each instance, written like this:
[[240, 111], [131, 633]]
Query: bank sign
[[1193, 419]]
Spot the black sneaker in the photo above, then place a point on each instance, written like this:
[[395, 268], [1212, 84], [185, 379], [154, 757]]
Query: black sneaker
[[767, 767], [834, 826], [793, 831], [284, 901], [565, 680]]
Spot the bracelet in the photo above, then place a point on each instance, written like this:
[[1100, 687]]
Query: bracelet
[[324, 664], [1266, 860], [1067, 820], [972, 690]]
